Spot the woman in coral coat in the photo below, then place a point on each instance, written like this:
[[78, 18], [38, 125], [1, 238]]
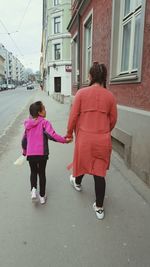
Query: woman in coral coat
[[92, 118]]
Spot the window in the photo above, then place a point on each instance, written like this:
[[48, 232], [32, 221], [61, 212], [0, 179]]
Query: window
[[48, 70], [130, 39], [56, 2], [127, 39], [57, 25], [57, 54], [87, 47]]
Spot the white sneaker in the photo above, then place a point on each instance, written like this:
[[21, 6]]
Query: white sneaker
[[99, 212], [33, 194], [73, 183], [42, 200]]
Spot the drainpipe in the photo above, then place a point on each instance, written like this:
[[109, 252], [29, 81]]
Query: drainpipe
[[79, 75]]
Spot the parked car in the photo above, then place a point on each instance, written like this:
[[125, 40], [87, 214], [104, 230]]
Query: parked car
[[3, 86], [13, 86], [10, 86], [30, 87]]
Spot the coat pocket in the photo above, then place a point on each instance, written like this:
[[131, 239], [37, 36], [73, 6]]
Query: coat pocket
[[101, 152]]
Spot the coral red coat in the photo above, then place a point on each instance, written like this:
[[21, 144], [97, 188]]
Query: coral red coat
[[92, 117]]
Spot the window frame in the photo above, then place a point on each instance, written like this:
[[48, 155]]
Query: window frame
[[75, 71], [55, 50], [56, 2], [125, 19], [134, 75], [86, 48], [57, 25]]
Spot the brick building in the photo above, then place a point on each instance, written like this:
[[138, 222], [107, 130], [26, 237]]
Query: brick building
[[117, 33]]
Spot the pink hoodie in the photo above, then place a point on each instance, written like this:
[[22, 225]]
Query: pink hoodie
[[37, 133]]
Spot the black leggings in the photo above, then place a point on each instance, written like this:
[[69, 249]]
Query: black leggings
[[100, 186], [38, 167]]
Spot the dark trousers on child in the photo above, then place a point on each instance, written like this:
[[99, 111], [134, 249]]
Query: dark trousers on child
[[100, 186], [38, 168]]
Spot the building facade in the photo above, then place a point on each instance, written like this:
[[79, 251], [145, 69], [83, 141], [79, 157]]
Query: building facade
[[2, 68], [4, 53], [14, 71], [117, 34], [43, 47], [56, 49]]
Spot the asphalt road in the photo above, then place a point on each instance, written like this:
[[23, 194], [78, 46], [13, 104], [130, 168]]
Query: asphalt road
[[12, 102]]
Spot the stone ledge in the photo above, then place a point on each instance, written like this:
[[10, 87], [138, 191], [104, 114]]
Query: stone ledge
[[58, 97], [122, 143]]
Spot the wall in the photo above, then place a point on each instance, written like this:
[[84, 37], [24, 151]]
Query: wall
[[65, 80], [2, 67], [137, 124], [133, 99], [133, 121]]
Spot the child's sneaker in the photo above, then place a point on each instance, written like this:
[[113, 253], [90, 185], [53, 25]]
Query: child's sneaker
[[73, 183], [99, 212], [33, 194], [42, 200]]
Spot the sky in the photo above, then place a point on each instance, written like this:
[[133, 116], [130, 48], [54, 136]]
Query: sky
[[23, 19]]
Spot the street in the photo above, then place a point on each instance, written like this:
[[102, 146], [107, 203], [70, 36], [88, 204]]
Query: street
[[65, 232], [11, 103]]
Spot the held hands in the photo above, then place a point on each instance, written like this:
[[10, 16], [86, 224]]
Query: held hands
[[68, 139]]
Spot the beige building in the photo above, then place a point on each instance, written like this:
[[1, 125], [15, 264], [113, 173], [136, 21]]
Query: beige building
[[56, 63], [2, 69], [14, 71]]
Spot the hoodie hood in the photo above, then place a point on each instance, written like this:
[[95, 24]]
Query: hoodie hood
[[31, 123]]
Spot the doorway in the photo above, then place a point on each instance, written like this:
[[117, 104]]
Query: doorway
[[57, 81]]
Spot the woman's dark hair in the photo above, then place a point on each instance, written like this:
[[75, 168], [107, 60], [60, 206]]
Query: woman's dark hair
[[98, 74], [35, 108]]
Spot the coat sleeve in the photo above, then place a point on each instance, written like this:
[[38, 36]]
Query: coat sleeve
[[74, 114], [113, 114], [24, 143], [51, 134]]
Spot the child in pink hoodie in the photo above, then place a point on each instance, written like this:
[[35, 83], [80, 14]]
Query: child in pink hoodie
[[35, 146]]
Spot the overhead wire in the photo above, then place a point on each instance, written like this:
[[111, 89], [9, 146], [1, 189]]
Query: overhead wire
[[25, 11], [9, 34], [19, 26], [18, 29]]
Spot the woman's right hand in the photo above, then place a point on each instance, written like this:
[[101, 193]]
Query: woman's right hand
[[68, 140]]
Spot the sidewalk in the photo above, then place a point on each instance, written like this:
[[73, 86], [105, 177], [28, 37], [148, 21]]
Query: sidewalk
[[65, 232]]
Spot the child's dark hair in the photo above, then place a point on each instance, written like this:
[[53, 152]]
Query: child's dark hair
[[35, 108], [98, 74]]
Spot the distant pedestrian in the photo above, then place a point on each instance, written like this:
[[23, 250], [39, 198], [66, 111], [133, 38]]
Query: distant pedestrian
[[35, 146], [41, 85], [92, 117]]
